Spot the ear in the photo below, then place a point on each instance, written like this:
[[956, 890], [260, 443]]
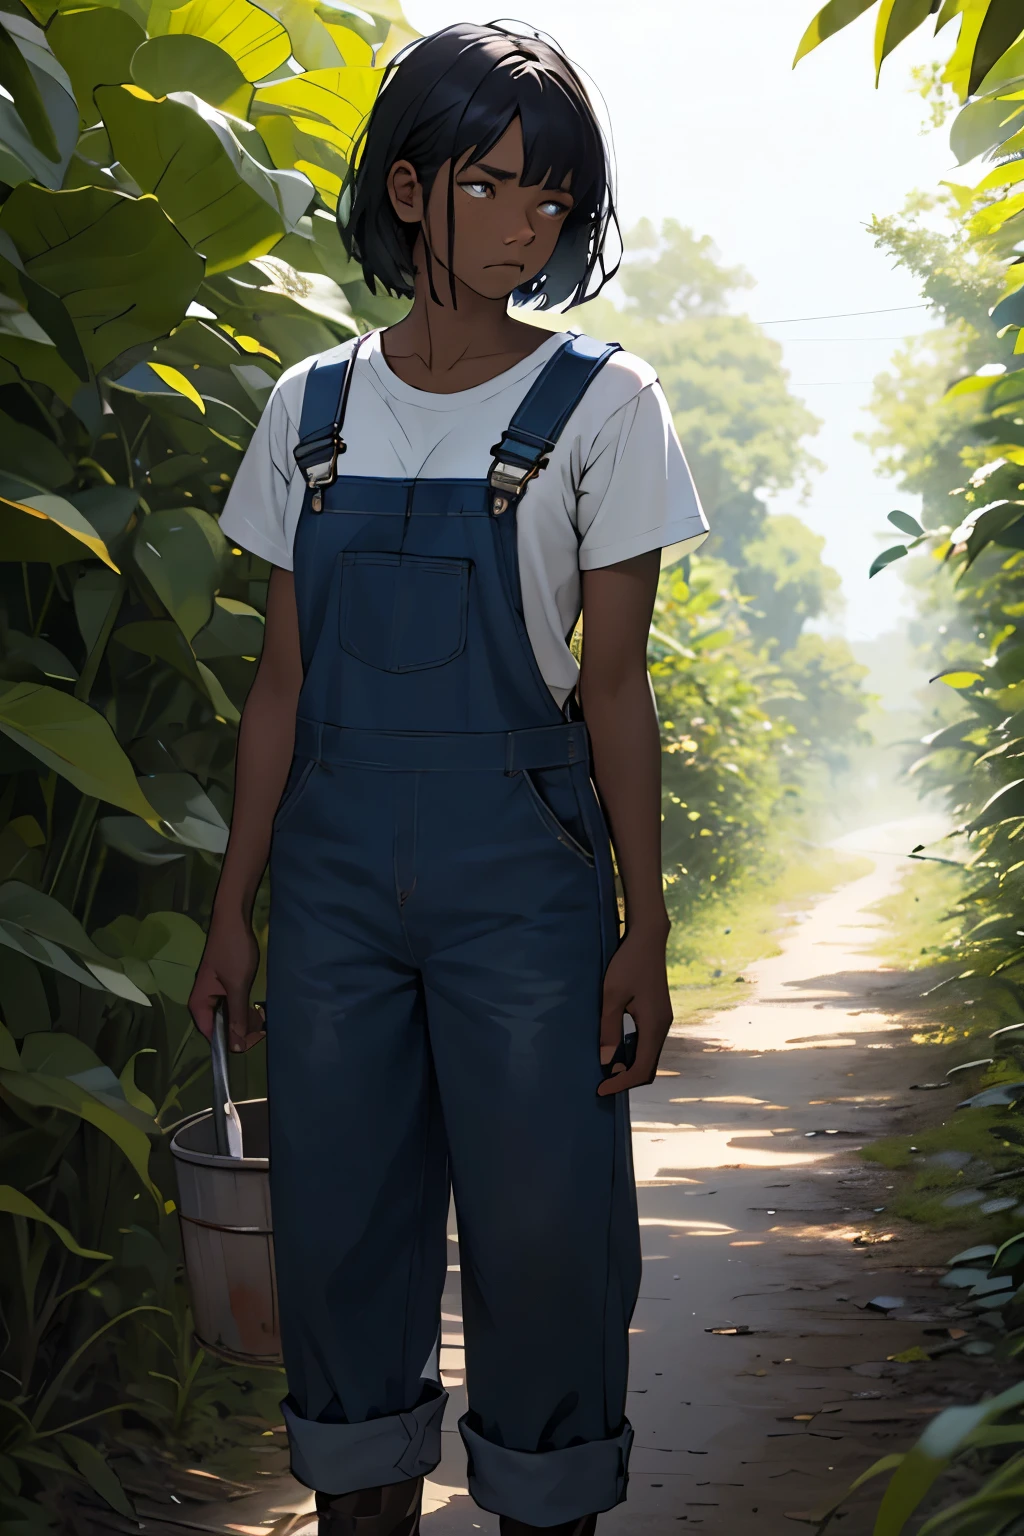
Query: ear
[[405, 192]]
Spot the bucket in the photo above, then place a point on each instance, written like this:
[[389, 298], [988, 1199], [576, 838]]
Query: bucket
[[222, 1162]]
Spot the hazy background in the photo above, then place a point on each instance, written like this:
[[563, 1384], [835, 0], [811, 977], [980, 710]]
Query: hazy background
[[783, 168]]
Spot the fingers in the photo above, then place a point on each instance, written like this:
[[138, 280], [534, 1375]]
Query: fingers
[[612, 1011], [257, 1026], [622, 1079], [202, 1005], [238, 1016]]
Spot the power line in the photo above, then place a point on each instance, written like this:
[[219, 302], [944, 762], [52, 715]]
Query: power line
[[847, 338], [849, 314]]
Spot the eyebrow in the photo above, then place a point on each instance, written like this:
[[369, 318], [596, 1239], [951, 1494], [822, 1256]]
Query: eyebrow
[[493, 170]]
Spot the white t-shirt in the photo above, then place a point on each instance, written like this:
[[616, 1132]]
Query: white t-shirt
[[616, 485]]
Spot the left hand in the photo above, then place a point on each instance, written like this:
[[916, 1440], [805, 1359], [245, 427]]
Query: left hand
[[636, 983]]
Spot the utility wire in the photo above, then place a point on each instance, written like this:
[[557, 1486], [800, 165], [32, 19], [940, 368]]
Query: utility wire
[[849, 314]]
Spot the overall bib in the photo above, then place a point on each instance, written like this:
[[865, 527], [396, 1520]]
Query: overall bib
[[442, 913]]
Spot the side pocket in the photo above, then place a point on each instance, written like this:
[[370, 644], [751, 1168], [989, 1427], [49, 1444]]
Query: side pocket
[[552, 823], [298, 777]]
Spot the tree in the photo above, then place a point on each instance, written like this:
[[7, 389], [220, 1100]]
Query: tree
[[738, 744], [742, 429]]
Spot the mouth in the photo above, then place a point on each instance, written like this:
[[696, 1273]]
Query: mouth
[[515, 266]]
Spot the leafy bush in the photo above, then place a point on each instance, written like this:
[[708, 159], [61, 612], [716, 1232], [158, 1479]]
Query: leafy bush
[[167, 247], [967, 441]]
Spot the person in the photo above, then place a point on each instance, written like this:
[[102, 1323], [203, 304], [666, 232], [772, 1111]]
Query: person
[[447, 982]]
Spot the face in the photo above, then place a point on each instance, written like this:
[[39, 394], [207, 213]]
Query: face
[[505, 233]]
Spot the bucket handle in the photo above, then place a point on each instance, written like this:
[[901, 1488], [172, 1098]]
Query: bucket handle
[[227, 1127]]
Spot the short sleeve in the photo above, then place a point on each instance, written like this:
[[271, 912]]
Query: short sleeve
[[255, 513], [636, 492]]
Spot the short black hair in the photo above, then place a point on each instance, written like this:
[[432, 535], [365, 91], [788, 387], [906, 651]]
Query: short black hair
[[460, 89]]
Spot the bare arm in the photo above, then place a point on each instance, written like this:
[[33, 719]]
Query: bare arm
[[266, 740], [615, 693]]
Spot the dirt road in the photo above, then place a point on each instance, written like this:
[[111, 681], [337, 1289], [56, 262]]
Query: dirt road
[[760, 1381]]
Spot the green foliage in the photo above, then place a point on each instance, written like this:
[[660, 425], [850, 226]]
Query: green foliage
[[738, 679], [722, 765], [167, 246], [951, 425]]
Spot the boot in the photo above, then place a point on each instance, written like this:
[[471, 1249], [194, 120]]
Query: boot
[[586, 1525], [393, 1510]]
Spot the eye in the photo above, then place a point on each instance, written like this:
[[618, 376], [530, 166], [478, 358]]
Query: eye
[[477, 188], [554, 210]]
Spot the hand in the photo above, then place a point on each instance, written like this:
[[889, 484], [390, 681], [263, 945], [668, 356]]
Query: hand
[[636, 983], [226, 971]]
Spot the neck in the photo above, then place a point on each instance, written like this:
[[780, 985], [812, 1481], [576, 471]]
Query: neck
[[440, 334]]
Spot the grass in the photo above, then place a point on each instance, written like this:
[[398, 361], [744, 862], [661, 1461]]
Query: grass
[[708, 957], [919, 915], [920, 919]]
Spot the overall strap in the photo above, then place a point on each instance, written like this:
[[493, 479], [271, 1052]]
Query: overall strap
[[538, 423], [323, 414]]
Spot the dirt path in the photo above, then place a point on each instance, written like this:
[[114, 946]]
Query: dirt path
[[750, 1210]]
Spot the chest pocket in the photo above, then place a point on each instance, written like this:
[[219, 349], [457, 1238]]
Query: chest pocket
[[401, 612]]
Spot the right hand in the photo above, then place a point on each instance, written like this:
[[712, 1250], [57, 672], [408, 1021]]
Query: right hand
[[226, 971]]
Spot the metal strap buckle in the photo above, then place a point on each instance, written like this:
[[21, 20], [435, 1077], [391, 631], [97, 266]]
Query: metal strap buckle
[[324, 473], [508, 481]]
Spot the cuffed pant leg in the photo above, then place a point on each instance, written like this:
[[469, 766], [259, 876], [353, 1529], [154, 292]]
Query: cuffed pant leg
[[544, 1193], [547, 1487], [339, 1458], [358, 1163]]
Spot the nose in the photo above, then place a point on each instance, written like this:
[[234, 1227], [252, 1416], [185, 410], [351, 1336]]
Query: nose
[[524, 235]]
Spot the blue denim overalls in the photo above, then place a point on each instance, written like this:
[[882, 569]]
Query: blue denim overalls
[[442, 913]]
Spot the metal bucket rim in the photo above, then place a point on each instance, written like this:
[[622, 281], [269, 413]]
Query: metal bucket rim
[[239, 1357], [212, 1159]]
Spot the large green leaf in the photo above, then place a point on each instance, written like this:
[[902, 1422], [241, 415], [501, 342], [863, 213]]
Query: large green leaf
[[16, 1204], [234, 629], [44, 914], [165, 947], [20, 84], [94, 1467], [53, 323], [46, 528], [95, 45], [896, 20], [161, 639], [45, 1092], [24, 451], [1000, 28], [26, 913], [46, 953], [124, 272], [292, 148], [227, 205], [832, 18], [39, 146], [186, 63], [982, 125], [171, 944], [313, 45], [137, 841], [328, 104], [1005, 805], [182, 553], [38, 654], [75, 740], [256, 41], [928, 1458], [187, 811]]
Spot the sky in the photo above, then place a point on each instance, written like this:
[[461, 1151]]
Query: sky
[[783, 169]]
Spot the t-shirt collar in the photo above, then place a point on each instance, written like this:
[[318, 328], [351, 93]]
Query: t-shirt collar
[[392, 385]]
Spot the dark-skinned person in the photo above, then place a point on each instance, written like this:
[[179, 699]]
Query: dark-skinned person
[[437, 787]]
